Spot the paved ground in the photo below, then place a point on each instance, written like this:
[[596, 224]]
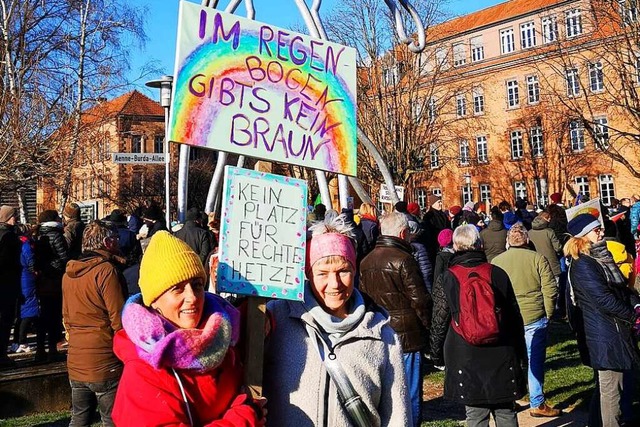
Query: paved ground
[[436, 408]]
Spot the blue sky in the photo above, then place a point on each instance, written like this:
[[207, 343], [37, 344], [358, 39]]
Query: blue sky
[[162, 20]]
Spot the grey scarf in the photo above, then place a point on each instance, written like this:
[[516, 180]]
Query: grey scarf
[[333, 327], [600, 253]]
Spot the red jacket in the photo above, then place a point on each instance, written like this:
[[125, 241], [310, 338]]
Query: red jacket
[[150, 397]]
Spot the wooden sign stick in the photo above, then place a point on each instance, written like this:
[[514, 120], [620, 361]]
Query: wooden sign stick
[[255, 335]]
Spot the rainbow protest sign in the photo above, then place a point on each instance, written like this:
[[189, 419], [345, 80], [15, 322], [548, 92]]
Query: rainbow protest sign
[[246, 87]]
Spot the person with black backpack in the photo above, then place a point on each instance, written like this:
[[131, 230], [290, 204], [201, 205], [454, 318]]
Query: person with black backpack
[[478, 334]]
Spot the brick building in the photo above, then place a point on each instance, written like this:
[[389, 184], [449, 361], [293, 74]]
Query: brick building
[[545, 94]]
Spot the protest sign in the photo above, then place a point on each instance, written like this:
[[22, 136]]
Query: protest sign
[[591, 207], [262, 235], [250, 88], [385, 194]]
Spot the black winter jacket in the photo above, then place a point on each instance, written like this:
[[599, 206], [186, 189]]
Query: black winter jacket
[[10, 266], [73, 231], [198, 239], [434, 222], [442, 263], [371, 231], [607, 316], [51, 259], [479, 375], [391, 277]]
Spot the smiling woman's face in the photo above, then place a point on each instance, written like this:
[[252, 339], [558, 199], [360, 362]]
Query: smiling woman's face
[[182, 304], [332, 284]]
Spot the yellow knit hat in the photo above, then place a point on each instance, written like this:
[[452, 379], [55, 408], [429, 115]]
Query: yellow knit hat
[[167, 262]]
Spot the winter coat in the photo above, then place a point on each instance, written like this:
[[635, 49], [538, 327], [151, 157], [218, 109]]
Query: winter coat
[[421, 257], [546, 243], [526, 217], [174, 361], [362, 246], [470, 217], [623, 233], [51, 258], [434, 222], [135, 223], [197, 238], [559, 227], [296, 383], [607, 316], [371, 230], [10, 267], [442, 263], [129, 245], [486, 374], [73, 231], [30, 306], [494, 238], [92, 299], [634, 218], [391, 277], [159, 225], [533, 282]]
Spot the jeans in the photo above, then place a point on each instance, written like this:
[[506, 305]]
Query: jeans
[[535, 335], [86, 396], [414, 384], [605, 403], [503, 414]]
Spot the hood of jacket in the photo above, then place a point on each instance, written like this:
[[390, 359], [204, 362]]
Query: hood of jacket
[[50, 225], [82, 266], [495, 225], [539, 223]]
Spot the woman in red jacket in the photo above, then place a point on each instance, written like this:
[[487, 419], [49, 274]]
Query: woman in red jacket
[[180, 364]]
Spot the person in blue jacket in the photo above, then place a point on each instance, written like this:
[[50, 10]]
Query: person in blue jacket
[[29, 308], [608, 311]]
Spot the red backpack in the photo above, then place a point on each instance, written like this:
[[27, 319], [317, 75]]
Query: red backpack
[[478, 318]]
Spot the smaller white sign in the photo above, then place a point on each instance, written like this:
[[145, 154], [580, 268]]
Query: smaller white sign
[[385, 197], [138, 158]]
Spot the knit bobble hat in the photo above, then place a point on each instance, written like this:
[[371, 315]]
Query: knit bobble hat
[[432, 199], [167, 262], [413, 208], [582, 224], [445, 237]]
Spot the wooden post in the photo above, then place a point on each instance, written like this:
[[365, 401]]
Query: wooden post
[[254, 345]]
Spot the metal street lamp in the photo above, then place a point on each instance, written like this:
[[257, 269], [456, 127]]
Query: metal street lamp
[[165, 84]]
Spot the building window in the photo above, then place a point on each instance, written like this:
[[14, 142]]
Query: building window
[[482, 149], [390, 76], [583, 187], [136, 144], [441, 58], [520, 190], [459, 54], [418, 107], [432, 109], [478, 101], [549, 29], [485, 193], [629, 11], [607, 189], [601, 132], [573, 22], [137, 182], [467, 194], [537, 143], [434, 156], [596, 77], [507, 41], [541, 191], [421, 197], [517, 150], [533, 90], [573, 82], [477, 49], [513, 97], [576, 135], [528, 35], [464, 152], [158, 144], [461, 105]]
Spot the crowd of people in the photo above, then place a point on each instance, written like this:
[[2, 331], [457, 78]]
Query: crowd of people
[[463, 289]]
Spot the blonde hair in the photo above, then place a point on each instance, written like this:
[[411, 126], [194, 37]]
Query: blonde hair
[[577, 246], [367, 209]]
